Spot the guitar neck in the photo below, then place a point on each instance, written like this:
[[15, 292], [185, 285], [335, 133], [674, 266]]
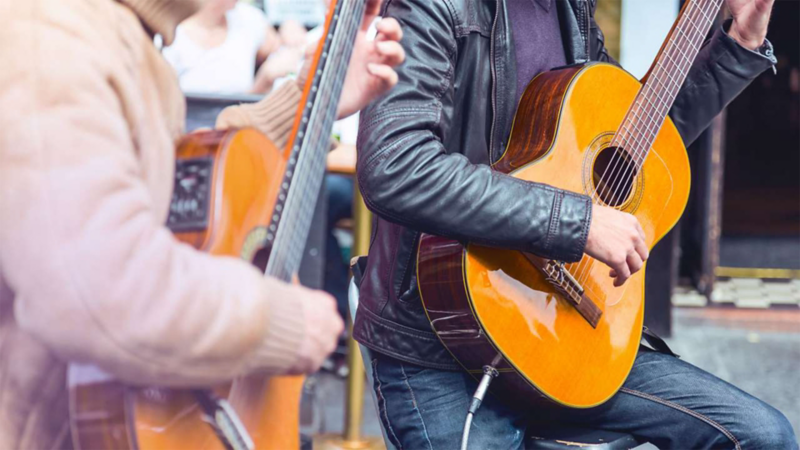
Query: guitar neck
[[310, 140], [667, 74]]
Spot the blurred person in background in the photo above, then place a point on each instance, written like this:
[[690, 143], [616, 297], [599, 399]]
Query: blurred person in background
[[89, 273], [229, 47]]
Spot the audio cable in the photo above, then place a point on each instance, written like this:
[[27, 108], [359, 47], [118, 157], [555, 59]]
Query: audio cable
[[489, 374]]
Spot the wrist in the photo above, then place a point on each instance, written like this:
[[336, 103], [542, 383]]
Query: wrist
[[746, 40]]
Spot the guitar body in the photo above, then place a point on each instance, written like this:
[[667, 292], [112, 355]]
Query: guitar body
[[492, 306], [238, 175]]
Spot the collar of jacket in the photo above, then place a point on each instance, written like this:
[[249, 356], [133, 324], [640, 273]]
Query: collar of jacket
[[574, 18]]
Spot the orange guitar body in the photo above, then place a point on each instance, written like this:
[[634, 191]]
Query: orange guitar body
[[246, 171], [493, 306]]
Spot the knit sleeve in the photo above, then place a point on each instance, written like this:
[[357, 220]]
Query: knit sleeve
[[273, 115]]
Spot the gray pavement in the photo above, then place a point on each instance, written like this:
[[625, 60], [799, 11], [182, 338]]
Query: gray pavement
[[757, 350]]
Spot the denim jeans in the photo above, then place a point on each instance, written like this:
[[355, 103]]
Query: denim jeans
[[665, 401]]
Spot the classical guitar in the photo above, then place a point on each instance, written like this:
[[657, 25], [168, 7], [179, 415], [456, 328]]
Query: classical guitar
[[561, 334], [235, 194]]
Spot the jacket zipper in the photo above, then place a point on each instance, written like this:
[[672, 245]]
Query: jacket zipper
[[587, 12], [584, 34], [494, 81]]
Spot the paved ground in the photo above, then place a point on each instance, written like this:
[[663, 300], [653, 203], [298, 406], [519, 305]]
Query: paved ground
[[757, 350], [744, 293]]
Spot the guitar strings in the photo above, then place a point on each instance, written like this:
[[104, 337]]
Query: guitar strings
[[649, 114], [682, 61], [641, 104], [657, 113], [623, 134], [643, 101], [640, 145], [625, 137], [239, 391]]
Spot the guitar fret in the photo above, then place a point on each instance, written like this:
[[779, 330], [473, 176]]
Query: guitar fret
[[669, 79], [685, 55], [688, 39], [666, 89], [695, 27], [705, 12], [645, 129]]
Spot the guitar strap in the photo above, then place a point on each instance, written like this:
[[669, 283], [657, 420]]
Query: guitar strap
[[656, 343], [358, 265]]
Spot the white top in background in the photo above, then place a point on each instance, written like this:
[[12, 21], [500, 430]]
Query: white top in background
[[228, 68], [645, 25]]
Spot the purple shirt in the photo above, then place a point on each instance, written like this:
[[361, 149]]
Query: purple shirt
[[537, 38]]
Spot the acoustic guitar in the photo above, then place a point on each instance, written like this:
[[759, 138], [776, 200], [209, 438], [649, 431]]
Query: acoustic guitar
[[235, 194], [561, 335]]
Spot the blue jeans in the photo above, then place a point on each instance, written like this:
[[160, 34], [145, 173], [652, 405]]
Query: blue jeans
[[664, 401]]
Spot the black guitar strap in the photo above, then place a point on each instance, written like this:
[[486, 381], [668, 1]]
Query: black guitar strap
[[656, 343], [358, 265]]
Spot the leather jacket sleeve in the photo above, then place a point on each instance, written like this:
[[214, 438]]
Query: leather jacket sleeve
[[721, 71], [408, 177]]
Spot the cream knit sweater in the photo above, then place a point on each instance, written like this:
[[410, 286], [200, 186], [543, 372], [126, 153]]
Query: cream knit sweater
[[89, 116]]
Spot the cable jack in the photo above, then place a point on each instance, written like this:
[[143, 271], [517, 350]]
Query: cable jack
[[489, 374]]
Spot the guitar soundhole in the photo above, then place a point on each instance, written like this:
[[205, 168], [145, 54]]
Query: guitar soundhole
[[261, 258], [613, 174]]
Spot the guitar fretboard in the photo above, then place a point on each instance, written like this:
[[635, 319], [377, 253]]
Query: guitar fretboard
[[309, 147], [650, 108]]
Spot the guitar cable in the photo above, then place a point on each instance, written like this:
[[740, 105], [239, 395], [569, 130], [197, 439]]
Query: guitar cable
[[489, 374]]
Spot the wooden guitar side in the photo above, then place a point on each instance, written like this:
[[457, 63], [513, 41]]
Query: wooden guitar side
[[247, 172], [487, 303]]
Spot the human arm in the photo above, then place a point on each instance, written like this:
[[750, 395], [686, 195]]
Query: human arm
[[284, 58], [408, 177], [271, 43], [96, 275]]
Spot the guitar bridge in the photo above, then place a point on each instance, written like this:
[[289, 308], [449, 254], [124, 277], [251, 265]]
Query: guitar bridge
[[562, 280], [565, 284]]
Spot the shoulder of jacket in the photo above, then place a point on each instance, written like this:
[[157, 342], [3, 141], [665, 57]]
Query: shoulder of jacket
[[455, 10]]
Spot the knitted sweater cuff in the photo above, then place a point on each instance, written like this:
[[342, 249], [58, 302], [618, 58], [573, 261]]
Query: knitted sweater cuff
[[273, 115], [280, 347]]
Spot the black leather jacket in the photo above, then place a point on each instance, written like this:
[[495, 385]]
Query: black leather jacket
[[424, 152]]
